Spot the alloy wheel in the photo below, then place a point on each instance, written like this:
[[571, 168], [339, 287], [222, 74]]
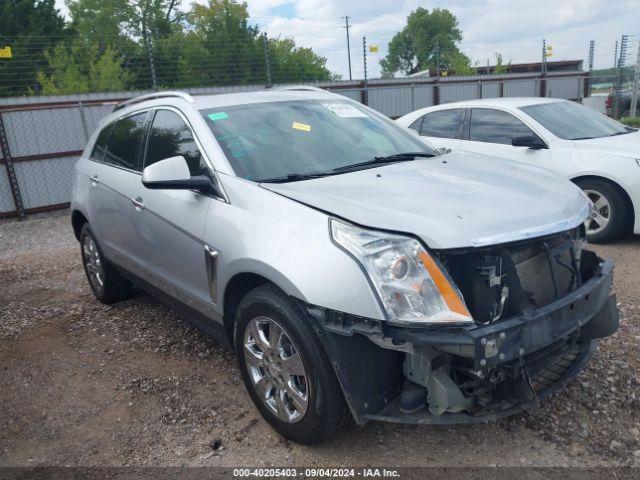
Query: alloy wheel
[[93, 263], [600, 214], [276, 370]]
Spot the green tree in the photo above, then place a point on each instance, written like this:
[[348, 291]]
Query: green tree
[[501, 67], [82, 69], [296, 64], [130, 27], [220, 47], [29, 27], [429, 40]]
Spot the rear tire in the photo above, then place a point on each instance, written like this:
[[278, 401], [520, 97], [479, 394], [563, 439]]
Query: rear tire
[[611, 214], [320, 411], [106, 283]]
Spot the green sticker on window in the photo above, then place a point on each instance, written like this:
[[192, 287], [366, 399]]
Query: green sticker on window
[[218, 116]]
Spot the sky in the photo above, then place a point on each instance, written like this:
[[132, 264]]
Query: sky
[[514, 28]]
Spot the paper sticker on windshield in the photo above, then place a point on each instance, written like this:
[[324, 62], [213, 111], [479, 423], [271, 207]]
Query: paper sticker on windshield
[[301, 126], [345, 110], [218, 116]]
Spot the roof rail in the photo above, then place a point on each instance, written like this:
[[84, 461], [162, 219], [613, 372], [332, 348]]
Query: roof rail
[[309, 88], [151, 96]]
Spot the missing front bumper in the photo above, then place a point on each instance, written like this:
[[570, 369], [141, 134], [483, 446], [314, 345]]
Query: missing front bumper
[[497, 369]]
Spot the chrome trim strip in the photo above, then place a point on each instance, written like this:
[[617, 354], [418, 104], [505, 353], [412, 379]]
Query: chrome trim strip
[[540, 231], [211, 261]]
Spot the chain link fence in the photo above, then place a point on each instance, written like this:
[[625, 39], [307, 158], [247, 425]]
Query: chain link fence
[[42, 137]]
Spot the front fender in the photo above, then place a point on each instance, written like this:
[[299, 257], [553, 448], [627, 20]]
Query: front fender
[[287, 243]]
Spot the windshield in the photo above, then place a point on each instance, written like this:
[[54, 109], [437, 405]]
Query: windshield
[[279, 139], [573, 121]]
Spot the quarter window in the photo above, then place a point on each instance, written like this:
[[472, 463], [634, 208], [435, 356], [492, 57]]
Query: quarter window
[[100, 147], [443, 123], [124, 142], [416, 125], [495, 126], [169, 137]]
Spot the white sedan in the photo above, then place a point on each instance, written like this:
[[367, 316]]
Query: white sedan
[[600, 155]]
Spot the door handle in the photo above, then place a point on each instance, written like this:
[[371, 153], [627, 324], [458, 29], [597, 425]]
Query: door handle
[[94, 180], [137, 202]]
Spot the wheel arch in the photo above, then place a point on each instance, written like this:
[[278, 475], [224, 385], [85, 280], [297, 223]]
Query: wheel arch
[[235, 290], [78, 219], [617, 186]]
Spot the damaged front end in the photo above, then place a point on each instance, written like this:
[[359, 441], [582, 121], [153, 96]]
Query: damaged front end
[[538, 306]]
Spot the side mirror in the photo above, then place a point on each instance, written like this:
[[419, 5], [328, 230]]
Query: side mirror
[[529, 141], [173, 174]]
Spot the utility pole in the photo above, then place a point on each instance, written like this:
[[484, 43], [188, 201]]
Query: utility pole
[[266, 58], [615, 55], [437, 49], [543, 64], [347, 26], [636, 87], [365, 97]]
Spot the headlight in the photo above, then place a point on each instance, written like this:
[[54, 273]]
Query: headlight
[[411, 286]]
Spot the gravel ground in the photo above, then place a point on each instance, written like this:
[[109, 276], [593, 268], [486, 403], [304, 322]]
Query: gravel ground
[[134, 384]]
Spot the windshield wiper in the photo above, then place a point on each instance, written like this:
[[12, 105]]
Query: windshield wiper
[[628, 130], [396, 157], [295, 177]]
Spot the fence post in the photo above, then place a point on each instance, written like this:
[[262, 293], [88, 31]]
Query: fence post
[[83, 120], [436, 92], [267, 61], [501, 89], [11, 173], [366, 84], [413, 97], [543, 84], [152, 65], [479, 95]]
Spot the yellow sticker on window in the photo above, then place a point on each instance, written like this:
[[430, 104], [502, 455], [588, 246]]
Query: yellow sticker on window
[[301, 126]]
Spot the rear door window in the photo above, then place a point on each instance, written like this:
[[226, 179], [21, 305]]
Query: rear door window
[[169, 137], [443, 123], [125, 140], [100, 147], [495, 126]]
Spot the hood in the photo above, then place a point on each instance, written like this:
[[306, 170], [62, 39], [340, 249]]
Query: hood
[[627, 145], [450, 201]]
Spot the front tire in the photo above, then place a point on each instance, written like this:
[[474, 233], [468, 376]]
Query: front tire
[[285, 368], [611, 212], [106, 283]]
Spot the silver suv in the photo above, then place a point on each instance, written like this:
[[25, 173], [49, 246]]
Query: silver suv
[[356, 272]]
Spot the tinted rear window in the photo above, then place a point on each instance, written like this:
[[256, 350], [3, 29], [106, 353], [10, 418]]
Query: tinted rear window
[[443, 123], [124, 141], [496, 126], [101, 144]]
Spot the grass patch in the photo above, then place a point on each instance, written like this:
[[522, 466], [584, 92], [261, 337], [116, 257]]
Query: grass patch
[[631, 121]]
